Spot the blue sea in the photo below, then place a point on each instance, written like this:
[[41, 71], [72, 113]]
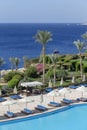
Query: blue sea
[[17, 40]]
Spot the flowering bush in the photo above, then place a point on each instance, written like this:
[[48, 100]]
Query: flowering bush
[[39, 67]]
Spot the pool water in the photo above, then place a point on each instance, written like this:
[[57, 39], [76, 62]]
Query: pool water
[[73, 117]]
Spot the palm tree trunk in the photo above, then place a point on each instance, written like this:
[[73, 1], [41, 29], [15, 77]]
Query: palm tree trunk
[[43, 64], [0, 76], [81, 65], [54, 75]]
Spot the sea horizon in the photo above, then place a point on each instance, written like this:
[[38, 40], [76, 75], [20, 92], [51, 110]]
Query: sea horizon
[[16, 39]]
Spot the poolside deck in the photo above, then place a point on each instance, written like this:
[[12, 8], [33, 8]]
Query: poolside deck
[[16, 108]]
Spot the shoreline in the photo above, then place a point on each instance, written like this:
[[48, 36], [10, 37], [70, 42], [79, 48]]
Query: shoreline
[[3, 72]]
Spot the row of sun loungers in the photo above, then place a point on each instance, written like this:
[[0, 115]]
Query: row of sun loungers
[[38, 107], [41, 107], [12, 97]]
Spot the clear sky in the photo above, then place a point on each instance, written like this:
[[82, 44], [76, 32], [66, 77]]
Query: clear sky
[[43, 11]]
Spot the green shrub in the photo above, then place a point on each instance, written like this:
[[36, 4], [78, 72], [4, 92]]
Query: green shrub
[[68, 58], [84, 68], [11, 74], [13, 82], [31, 72], [49, 73], [17, 76], [34, 60], [1, 87], [62, 73], [48, 60], [78, 66], [73, 65], [75, 57]]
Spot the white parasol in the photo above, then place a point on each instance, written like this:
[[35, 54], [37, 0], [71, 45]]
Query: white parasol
[[61, 82], [0, 92], [82, 89], [73, 79], [15, 90], [53, 93], [25, 100], [64, 91], [41, 98], [84, 78], [8, 103], [50, 84]]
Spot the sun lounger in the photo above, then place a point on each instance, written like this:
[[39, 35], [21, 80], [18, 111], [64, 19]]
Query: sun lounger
[[27, 111], [15, 96], [60, 87], [73, 87], [9, 114], [2, 99], [41, 108], [66, 101], [48, 90], [82, 99], [54, 104]]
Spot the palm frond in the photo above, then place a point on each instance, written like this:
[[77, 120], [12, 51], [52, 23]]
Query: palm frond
[[84, 36], [80, 45]]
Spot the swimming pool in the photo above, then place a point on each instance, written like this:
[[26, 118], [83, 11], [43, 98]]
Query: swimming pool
[[73, 117]]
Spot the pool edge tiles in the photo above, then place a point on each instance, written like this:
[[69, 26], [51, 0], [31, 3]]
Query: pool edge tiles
[[47, 113]]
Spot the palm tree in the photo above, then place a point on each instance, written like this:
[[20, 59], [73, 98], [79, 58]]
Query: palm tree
[[1, 63], [80, 46], [54, 61], [26, 61], [14, 62], [43, 37], [84, 36], [12, 59]]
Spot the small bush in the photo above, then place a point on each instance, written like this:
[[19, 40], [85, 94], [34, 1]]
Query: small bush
[[17, 76], [78, 66], [85, 68], [11, 74], [49, 73], [48, 60], [13, 82], [73, 65], [68, 58], [62, 73], [31, 72]]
